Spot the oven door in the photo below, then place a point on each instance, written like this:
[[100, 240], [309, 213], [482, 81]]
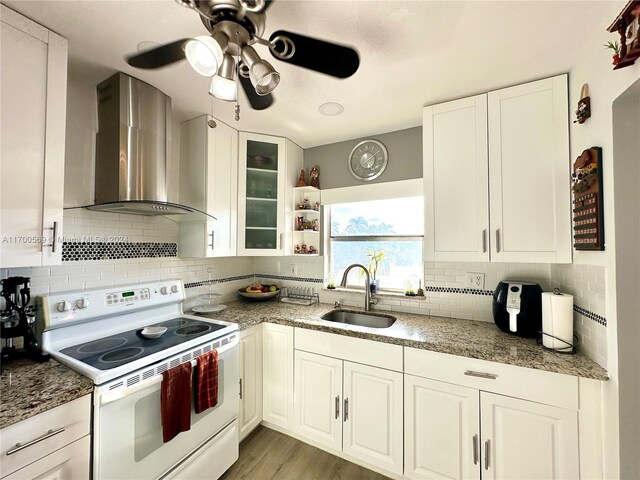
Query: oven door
[[127, 424]]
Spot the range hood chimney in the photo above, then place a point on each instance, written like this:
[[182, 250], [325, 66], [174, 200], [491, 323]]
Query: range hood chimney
[[132, 147]]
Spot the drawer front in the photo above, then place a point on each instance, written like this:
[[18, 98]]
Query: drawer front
[[63, 425], [358, 350], [535, 385], [70, 462]]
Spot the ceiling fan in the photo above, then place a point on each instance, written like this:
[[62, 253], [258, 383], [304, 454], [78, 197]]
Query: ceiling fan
[[227, 53]]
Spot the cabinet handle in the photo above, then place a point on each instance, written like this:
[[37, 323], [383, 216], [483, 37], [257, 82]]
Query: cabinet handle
[[20, 446], [497, 240], [212, 236], [484, 241], [280, 241], [240, 389], [346, 409], [486, 455], [475, 449], [337, 406], [54, 242], [490, 376]]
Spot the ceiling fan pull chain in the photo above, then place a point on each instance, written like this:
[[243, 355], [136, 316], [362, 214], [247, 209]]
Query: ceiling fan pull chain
[[237, 78]]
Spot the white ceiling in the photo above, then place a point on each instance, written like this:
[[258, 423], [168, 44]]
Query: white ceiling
[[412, 53]]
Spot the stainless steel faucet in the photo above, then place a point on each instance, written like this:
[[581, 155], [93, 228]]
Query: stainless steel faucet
[[367, 285]]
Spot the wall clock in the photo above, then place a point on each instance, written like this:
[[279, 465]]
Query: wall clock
[[367, 160]]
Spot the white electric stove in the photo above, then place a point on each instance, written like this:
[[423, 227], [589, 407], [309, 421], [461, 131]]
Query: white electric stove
[[99, 334]]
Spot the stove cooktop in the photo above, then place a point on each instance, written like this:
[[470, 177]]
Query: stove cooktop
[[117, 350]]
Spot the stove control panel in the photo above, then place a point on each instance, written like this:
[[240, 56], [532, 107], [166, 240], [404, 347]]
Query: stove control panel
[[129, 296], [66, 308]]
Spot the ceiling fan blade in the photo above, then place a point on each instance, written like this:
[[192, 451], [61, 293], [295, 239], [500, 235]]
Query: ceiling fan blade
[[319, 55], [158, 57], [267, 4], [257, 102]]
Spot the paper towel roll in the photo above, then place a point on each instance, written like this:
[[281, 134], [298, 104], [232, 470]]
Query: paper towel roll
[[557, 320]]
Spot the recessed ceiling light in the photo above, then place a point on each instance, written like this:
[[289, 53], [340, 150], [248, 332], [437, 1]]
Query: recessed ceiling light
[[331, 109]]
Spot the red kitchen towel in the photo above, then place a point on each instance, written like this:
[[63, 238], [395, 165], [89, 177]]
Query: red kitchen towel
[[206, 381], [175, 401]]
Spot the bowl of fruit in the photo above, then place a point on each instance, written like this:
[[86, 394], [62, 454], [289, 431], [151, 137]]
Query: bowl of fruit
[[259, 292]]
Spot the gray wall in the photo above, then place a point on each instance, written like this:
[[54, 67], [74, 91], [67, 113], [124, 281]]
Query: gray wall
[[626, 151], [405, 159]]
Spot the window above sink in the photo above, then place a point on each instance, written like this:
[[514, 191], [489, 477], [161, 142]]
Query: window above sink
[[393, 226]]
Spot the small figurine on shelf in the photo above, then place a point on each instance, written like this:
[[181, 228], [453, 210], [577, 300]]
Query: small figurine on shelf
[[314, 224], [299, 222], [297, 249], [316, 206], [303, 248], [305, 204], [315, 177], [312, 250], [302, 181]]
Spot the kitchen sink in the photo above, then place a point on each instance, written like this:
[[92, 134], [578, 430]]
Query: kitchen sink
[[371, 320]]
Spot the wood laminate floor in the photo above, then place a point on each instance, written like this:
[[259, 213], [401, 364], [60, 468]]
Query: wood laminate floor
[[269, 455]]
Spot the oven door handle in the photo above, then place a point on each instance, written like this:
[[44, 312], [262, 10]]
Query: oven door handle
[[112, 396]]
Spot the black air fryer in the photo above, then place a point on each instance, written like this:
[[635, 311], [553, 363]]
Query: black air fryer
[[517, 308]]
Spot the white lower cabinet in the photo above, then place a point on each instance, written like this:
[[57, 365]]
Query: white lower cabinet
[[250, 379], [70, 462], [373, 416], [51, 445], [458, 432], [318, 394], [277, 381], [441, 430], [348, 407], [527, 440]]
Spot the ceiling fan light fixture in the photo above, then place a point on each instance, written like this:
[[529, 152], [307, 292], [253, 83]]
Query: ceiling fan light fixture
[[204, 54], [223, 85], [263, 76]]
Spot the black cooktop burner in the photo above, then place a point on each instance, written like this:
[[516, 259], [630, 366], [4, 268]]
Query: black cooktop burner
[[192, 330], [102, 345], [121, 354], [122, 348]]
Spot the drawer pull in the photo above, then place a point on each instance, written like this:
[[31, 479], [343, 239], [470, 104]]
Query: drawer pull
[[20, 446], [490, 376]]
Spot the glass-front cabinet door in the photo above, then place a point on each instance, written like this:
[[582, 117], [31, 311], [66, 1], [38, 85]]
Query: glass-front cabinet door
[[261, 194]]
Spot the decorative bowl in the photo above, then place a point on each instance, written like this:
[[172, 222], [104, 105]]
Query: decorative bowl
[[258, 296], [153, 332]]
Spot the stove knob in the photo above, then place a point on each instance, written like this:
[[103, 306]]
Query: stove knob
[[174, 289], [82, 303], [164, 290], [64, 306]]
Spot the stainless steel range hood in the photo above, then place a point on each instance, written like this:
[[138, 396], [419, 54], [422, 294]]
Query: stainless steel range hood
[[132, 147]]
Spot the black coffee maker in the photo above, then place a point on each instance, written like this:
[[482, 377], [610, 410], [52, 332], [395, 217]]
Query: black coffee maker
[[17, 320]]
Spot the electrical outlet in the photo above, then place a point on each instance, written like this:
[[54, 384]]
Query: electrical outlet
[[293, 270], [475, 280]]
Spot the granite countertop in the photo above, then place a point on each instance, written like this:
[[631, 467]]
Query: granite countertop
[[28, 388], [466, 338]]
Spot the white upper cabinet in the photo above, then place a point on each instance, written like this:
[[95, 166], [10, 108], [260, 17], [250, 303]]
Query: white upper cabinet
[[529, 170], [33, 78], [456, 170], [209, 182], [496, 176], [269, 167]]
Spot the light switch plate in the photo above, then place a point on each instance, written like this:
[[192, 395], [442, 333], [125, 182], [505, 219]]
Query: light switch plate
[[475, 280], [293, 269]]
